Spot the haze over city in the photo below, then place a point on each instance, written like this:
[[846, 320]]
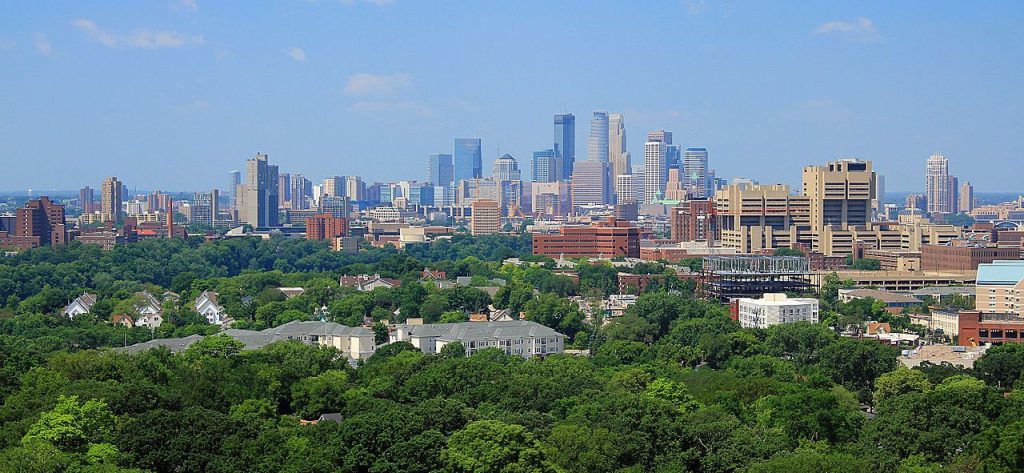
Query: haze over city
[[173, 94]]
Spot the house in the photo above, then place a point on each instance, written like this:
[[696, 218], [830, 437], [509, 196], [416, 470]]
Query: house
[[367, 283], [518, 337], [122, 319], [335, 417], [433, 275], [148, 311], [290, 292], [81, 305], [206, 305], [354, 342]]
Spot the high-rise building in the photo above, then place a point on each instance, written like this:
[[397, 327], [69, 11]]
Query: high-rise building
[[597, 142], [86, 200], [544, 166], [625, 189], [485, 218], [695, 170], [590, 183], [693, 220], [325, 226], [655, 174], [753, 217], [236, 180], [110, 200], [468, 160], [937, 185], [966, 197], [39, 223], [565, 143], [302, 191], [506, 172], [878, 201], [617, 154], [204, 207], [284, 186], [258, 197], [334, 205], [440, 170], [674, 157], [551, 198], [355, 189], [660, 135], [334, 186], [840, 193]]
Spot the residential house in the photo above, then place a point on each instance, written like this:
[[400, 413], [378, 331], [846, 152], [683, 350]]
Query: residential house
[[290, 292], [81, 305], [518, 337], [367, 283], [207, 306], [148, 311]]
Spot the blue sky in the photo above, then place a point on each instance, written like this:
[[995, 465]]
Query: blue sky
[[173, 94]]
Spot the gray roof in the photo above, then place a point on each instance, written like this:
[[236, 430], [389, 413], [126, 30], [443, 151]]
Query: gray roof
[[254, 340], [884, 296], [481, 330], [943, 290]]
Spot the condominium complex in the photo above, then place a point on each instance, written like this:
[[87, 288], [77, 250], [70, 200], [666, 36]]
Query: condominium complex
[[940, 187], [515, 337]]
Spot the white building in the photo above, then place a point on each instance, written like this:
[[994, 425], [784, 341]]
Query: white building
[[356, 342], [774, 309], [81, 305], [206, 305], [655, 171], [517, 337]]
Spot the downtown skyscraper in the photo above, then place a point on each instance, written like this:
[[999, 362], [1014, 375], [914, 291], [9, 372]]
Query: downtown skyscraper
[[695, 170], [617, 154], [597, 142], [257, 201], [236, 180], [940, 187], [468, 160], [565, 143], [544, 166], [655, 171], [440, 170]]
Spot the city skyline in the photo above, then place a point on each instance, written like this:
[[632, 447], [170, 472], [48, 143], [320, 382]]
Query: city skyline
[[181, 95]]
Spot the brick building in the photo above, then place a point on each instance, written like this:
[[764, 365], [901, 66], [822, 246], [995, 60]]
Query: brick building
[[486, 217], [322, 227], [693, 221], [606, 239], [40, 222], [977, 328], [963, 258]]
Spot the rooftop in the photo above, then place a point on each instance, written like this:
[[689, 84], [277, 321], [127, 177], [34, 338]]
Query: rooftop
[[1001, 272], [884, 296], [479, 330]]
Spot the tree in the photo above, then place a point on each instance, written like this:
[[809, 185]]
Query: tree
[[214, 346], [1001, 365], [493, 446], [453, 349], [899, 382], [72, 426], [320, 394]]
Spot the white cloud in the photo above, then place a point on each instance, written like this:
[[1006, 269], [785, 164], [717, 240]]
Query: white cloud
[[297, 53], [43, 45], [190, 5], [138, 39], [860, 29], [376, 84], [696, 7]]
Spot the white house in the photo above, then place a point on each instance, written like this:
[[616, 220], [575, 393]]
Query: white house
[[81, 305], [516, 337], [206, 305], [774, 309], [148, 311], [367, 283]]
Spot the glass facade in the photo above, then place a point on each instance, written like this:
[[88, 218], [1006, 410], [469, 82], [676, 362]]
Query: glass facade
[[468, 163]]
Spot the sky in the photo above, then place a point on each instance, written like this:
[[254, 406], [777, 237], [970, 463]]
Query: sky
[[173, 94]]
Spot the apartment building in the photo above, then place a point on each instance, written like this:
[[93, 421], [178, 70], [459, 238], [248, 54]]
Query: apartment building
[[774, 309], [516, 337]]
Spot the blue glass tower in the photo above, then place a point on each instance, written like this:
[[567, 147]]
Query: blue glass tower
[[439, 169], [468, 163], [565, 142]]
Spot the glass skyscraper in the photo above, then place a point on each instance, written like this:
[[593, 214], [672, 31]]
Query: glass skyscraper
[[544, 167], [468, 161], [439, 169], [565, 142], [695, 168], [597, 142]]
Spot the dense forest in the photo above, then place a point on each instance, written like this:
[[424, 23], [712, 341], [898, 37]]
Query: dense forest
[[673, 385]]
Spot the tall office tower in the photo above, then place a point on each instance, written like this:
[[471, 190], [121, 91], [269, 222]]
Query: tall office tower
[[625, 189], [284, 195], [468, 162], [302, 191], [545, 167], [675, 189], [597, 142], [334, 205], [936, 184], [840, 194], [660, 135], [695, 168], [485, 218], [85, 198], [966, 197], [204, 207], [334, 186], [639, 181], [617, 154], [674, 157], [565, 143], [590, 183], [110, 200], [440, 170], [953, 188], [655, 174], [236, 180], [506, 168], [878, 202], [355, 189], [257, 204]]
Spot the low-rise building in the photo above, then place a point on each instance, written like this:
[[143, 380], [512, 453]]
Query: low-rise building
[[367, 283], [607, 239], [774, 309], [81, 305], [517, 337]]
